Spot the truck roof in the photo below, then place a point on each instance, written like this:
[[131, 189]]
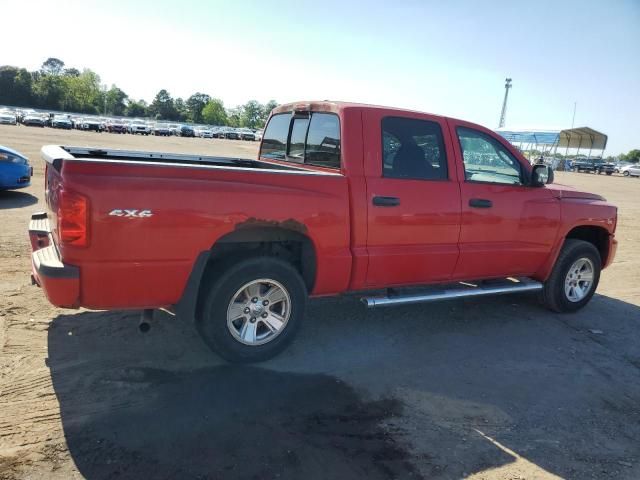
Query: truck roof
[[335, 106]]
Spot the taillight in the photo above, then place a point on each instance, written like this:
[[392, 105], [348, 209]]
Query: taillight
[[73, 218]]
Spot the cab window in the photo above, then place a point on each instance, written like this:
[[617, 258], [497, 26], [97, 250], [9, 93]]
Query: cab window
[[413, 149], [312, 138], [486, 160], [274, 140]]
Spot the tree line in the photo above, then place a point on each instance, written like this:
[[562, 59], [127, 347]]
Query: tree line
[[56, 87]]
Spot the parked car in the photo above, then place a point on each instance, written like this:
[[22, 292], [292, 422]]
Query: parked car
[[161, 129], [140, 127], [258, 134], [231, 133], [116, 126], [174, 129], [206, 133], [246, 134], [217, 132], [34, 120], [357, 198], [77, 122], [592, 165], [15, 170], [92, 124], [620, 165], [186, 131], [632, 170], [8, 118], [61, 121]]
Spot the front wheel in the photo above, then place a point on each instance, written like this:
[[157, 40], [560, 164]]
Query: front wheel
[[626, 173], [253, 309], [574, 278]]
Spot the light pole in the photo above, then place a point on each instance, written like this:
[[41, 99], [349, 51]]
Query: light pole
[[104, 91], [503, 114]]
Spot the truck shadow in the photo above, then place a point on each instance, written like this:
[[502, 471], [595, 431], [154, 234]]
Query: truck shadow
[[12, 199], [409, 392]]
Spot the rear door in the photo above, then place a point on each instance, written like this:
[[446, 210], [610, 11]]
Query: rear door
[[508, 227], [413, 197]]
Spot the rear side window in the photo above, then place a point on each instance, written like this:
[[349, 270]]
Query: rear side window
[[313, 139], [413, 149], [274, 140]]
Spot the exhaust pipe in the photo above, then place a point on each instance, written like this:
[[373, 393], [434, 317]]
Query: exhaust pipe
[[145, 320]]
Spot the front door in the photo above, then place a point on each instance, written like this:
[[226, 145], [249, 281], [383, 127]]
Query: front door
[[414, 199], [508, 228]]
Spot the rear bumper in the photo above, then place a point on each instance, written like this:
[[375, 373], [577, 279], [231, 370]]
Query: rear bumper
[[60, 282]]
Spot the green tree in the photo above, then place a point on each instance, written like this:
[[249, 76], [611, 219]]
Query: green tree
[[632, 156], [163, 106], [234, 116], [52, 66], [181, 109], [252, 113], [116, 101], [266, 111], [195, 103], [82, 93], [71, 72], [214, 113], [15, 86], [49, 91], [136, 109]]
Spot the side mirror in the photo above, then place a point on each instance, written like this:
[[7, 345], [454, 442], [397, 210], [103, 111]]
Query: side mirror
[[541, 175]]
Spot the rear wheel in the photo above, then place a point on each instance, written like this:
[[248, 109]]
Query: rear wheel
[[253, 309], [574, 278]]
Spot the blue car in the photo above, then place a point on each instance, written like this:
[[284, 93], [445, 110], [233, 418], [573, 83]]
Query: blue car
[[15, 171]]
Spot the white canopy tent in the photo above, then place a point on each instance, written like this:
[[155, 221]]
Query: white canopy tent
[[548, 141]]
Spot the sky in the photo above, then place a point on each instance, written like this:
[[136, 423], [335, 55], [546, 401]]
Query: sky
[[444, 57]]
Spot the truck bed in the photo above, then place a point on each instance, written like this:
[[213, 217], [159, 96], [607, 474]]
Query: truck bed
[[53, 153]]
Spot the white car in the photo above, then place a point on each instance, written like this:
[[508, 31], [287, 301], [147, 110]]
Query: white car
[[258, 134], [206, 133], [631, 170], [139, 127], [8, 118]]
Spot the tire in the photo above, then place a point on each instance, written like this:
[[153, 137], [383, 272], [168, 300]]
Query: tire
[[626, 173], [609, 173], [554, 293], [228, 337]]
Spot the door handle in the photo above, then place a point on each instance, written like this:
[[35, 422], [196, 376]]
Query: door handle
[[480, 203], [386, 201]]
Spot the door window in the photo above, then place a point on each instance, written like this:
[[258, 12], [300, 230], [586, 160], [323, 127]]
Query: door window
[[486, 160], [413, 149]]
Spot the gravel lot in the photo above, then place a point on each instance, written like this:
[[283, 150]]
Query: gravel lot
[[495, 388]]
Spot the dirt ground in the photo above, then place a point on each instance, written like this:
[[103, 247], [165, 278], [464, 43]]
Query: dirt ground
[[496, 388]]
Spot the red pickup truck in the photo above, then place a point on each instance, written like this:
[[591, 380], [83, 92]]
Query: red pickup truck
[[399, 206]]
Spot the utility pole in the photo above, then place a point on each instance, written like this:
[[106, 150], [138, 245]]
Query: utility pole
[[507, 86], [574, 114]]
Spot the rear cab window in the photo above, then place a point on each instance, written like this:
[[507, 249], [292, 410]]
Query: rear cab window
[[311, 138], [413, 149]]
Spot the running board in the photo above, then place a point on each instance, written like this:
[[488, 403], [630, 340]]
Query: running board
[[464, 290]]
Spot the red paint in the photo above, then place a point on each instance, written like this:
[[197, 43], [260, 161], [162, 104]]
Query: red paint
[[433, 236]]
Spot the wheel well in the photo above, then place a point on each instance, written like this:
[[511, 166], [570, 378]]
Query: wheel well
[[597, 236], [294, 247]]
